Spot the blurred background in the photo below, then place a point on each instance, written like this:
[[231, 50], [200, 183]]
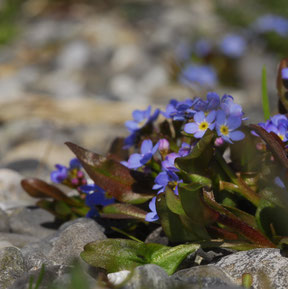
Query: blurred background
[[75, 70]]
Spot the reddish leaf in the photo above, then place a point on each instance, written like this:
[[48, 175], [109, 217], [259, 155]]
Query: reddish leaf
[[121, 183], [126, 210], [274, 143], [228, 219], [116, 151], [37, 188]]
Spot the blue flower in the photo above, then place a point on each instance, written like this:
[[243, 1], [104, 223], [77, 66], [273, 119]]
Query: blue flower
[[179, 110], [233, 45], [140, 119], [60, 174], [71, 176], [212, 102], [138, 160], [225, 127], [203, 47], [166, 178], [270, 22], [277, 124], [152, 216], [230, 107], [95, 196], [279, 183], [201, 124], [203, 75], [284, 73]]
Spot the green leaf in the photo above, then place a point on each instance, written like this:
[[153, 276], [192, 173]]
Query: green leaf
[[171, 222], [61, 208], [265, 97], [121, 183], [270, 217], [126, 210], [121, 254], [173, 202], [118, 254], [197, 161]]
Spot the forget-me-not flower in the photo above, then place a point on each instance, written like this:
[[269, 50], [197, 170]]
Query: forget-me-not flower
[[146, 153], [233, 45], [226, 127], [95, 196], [152, 216], [201, 123]]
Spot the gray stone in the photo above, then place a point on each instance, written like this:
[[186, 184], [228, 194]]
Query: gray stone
[[31, 221], [148, 276], [10, 188], [268, 268], [4, 222], [12, 266], [202, 277], [157, 236], [18, 240], [69, 241], [51, 273]]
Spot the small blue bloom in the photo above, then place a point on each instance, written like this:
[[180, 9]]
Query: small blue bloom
[[203, 47], [212, 102], [279, 182], [60, 174], [201, 124], [138, 160], [168, 163], [277, 124], [230, 107], [152, 216], [271, 22], [95, 196], [140, 119], [179, 110], [284, 73], [233, 45], [203, 75], [74, 164], [226, 127], [164, 178]]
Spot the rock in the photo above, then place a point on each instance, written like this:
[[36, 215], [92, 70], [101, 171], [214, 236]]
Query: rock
[[17, 240], [202, 277], [32, 221], [157, 236], [12, 266], [74, 56], [11, 190], [51, 273], [148, 276], [4, 222], [268, 268], [68, 243], [34, 259]]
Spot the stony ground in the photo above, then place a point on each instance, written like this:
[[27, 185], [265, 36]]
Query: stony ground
[[76, 76]]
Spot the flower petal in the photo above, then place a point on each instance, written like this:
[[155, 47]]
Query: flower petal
[[191, 127], [233, 122], [146, 146], [134, 161], [236, 135], [199, 116]]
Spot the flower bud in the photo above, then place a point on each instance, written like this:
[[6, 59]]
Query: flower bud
[[164, 147]]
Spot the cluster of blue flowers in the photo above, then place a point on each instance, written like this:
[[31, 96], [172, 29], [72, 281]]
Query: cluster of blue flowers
[[74, 177], [196, 116], [277, 124]]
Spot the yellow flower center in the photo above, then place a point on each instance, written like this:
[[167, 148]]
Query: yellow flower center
[[281, 136], [203, 125], [224, 130]]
